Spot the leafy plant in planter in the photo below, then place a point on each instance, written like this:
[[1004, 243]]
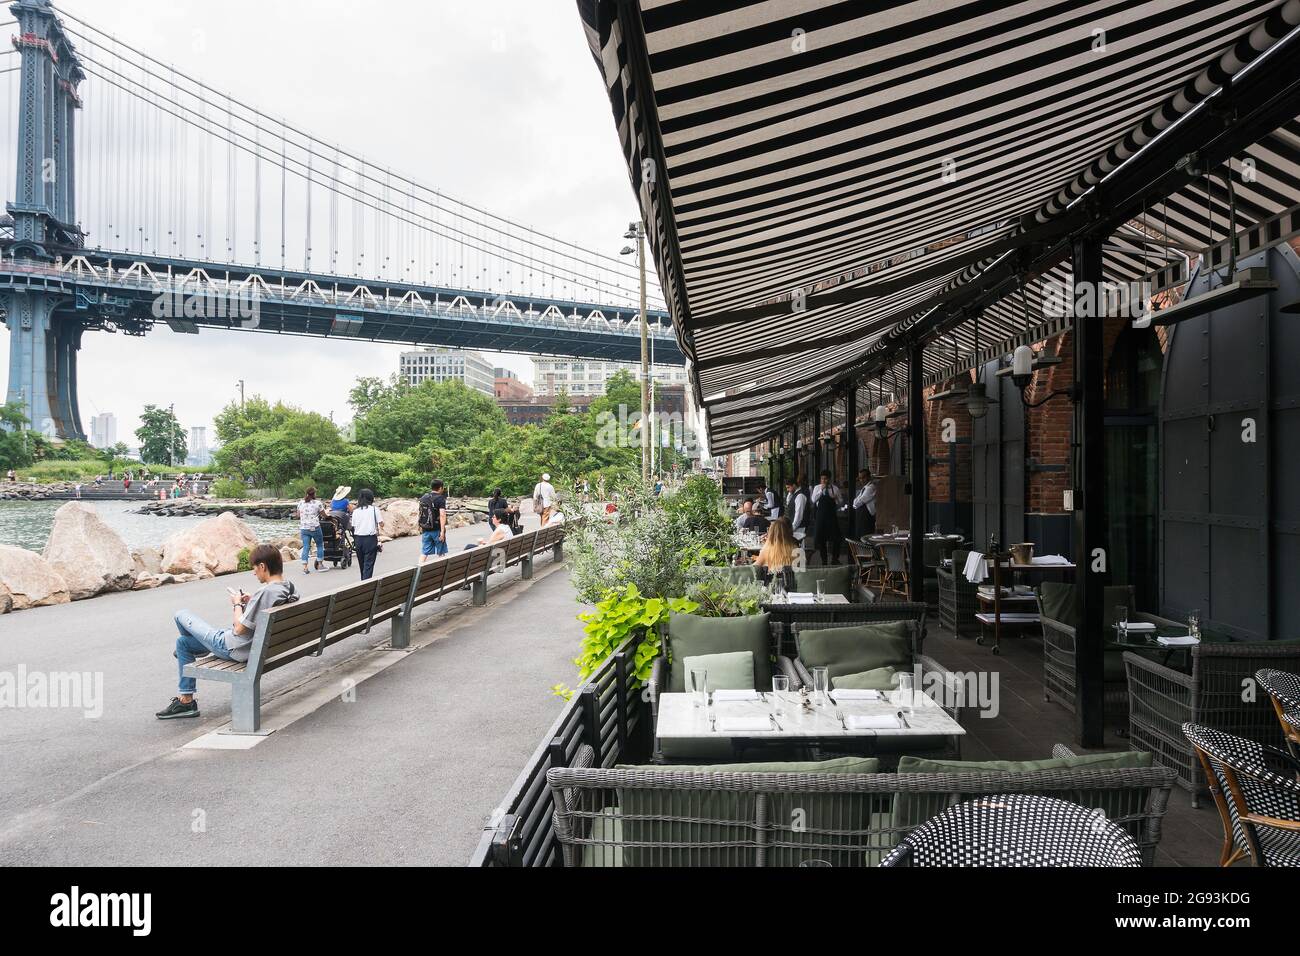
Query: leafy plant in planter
[[717, 595], [621, 615]]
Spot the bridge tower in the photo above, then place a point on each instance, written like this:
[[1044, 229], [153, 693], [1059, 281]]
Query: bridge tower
[[44, 331]]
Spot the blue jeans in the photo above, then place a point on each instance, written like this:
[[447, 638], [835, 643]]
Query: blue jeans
[[197, 637], [432, 544], [307, 538]]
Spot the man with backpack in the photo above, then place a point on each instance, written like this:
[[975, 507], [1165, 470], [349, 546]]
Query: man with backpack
[[433, 522]]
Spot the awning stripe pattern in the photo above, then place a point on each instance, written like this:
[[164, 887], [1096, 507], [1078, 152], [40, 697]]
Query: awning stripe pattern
[[884, 155]]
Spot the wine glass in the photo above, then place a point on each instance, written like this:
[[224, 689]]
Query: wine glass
[[1194, 622], [1121, 618]]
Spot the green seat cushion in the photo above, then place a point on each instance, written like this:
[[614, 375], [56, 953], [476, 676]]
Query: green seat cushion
[[882, 678], [839, 580], [853, 650], [607, 832], [914, 809], [838, 765], [731, 671], [690, 635]]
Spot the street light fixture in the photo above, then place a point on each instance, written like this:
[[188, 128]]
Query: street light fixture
[[636, 230]]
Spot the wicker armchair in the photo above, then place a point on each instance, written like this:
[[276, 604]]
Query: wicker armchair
[[1257, 791], [657, 816], [1058, 667], [1162, 699], [1284, 689], [958, 601]]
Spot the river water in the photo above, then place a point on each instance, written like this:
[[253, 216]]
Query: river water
[[27, 523]]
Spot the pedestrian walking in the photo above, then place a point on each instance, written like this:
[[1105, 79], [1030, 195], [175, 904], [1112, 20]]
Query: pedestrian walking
[[309, 529], [367, 524], [544, 498], [433, 521]]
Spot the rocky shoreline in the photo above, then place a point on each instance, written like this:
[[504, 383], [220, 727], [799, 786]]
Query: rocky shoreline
[[85, 558]]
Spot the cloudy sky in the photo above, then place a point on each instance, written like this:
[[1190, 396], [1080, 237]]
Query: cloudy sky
[[495, 102]]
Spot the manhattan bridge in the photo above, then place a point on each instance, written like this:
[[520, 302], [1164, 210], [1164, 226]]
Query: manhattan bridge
[[145, 197]]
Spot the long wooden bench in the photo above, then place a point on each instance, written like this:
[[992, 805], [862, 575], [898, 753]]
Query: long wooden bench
[[305, 628]]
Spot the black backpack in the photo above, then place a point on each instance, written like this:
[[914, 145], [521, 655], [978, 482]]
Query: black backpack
[[428, 513]]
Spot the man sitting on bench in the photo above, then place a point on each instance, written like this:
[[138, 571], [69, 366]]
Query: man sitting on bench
[[232, 643]]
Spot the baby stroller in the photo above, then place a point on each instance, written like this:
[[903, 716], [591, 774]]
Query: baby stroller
[[338, 540]]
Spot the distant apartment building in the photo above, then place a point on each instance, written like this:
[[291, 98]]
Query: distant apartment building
[[509, 388], [103, 430], [536, 409], [588, 377], [445, 365]]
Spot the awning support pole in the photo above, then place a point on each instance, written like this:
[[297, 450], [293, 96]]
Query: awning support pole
[[920, 479], [1090, 553]]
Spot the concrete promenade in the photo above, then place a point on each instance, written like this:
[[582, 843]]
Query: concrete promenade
[[406, 773]]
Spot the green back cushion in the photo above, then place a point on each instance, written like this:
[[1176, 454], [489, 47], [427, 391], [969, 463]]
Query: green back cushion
[[731, 671], [852, 650], [839, 580], [882, 678], [1058, 602], [729, 816], [692, 636], [741, 573], [914, 809]]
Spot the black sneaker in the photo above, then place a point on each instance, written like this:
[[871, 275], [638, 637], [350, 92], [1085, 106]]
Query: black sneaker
[[176, 709]]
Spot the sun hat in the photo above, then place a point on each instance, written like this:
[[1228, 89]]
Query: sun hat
[[341, 492], [546, 477]]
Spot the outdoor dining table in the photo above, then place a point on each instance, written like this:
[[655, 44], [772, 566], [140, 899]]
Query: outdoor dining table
[[798, 605], [745, 722], [1177, 656]]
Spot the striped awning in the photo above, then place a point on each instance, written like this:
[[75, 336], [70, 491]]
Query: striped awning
[[816, 177]]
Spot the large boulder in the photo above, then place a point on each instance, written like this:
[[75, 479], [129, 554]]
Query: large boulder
[[29, 580], [208, 548], [89, 555], [147, 561], [6, 600], [401, 517]]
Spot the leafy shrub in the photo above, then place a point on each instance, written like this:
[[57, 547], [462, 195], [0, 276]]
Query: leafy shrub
[[717, 595], [622, 614], [242, 561], [230, 488]]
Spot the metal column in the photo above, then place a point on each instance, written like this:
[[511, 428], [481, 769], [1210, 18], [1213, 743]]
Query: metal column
[[851, 452], [920, 476], [1090, 549]]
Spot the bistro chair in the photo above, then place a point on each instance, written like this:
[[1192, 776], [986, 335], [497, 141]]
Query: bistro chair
[[1259, 807], [871, 569], [1017, 830], [1284, 690], [894, 555]]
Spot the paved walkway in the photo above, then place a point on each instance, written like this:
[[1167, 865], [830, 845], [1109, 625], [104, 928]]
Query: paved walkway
[[408, 772]]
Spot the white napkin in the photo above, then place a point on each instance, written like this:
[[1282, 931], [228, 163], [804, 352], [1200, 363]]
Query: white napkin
[[1137, 626], [1185, 641], [801, 597], [719, 695], [1050, 559], [977, 568], [862, 722], [743, 724], [855, 693]]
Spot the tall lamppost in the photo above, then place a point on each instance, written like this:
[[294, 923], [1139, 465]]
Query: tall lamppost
[[636, 230]]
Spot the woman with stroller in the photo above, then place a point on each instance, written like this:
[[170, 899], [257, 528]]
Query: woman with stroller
[[367, 523], [309, 510]]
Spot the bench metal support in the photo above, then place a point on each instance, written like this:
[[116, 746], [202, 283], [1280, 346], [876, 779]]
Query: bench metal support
[[478, 590], [558, 550], [526, 567], [400, 637], [246, 706]]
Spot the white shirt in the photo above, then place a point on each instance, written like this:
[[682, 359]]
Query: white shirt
[[546, 491], [557, 518], [800, 506], [366, 521], [867, 497], [503, 532], [832, 490]]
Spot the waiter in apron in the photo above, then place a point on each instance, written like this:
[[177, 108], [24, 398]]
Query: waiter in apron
[[864, 505], [826, 524]]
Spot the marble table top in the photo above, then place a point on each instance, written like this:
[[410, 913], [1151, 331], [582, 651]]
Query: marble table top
[[808, 599], [679, 718]]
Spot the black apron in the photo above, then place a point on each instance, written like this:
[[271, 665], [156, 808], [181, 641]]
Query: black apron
[[825, 522]]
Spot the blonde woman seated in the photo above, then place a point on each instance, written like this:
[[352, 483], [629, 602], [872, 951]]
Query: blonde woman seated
[[781, 554]]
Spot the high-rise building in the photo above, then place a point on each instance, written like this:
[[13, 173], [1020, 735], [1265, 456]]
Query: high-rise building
[[199, 454], [444, 365], [588, 377], [103, 430]]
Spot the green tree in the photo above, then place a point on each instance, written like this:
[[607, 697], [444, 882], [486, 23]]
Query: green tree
[[16, 447], [278, 455], [366, 468], [162, 439], [445, 414], [370, 391]]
